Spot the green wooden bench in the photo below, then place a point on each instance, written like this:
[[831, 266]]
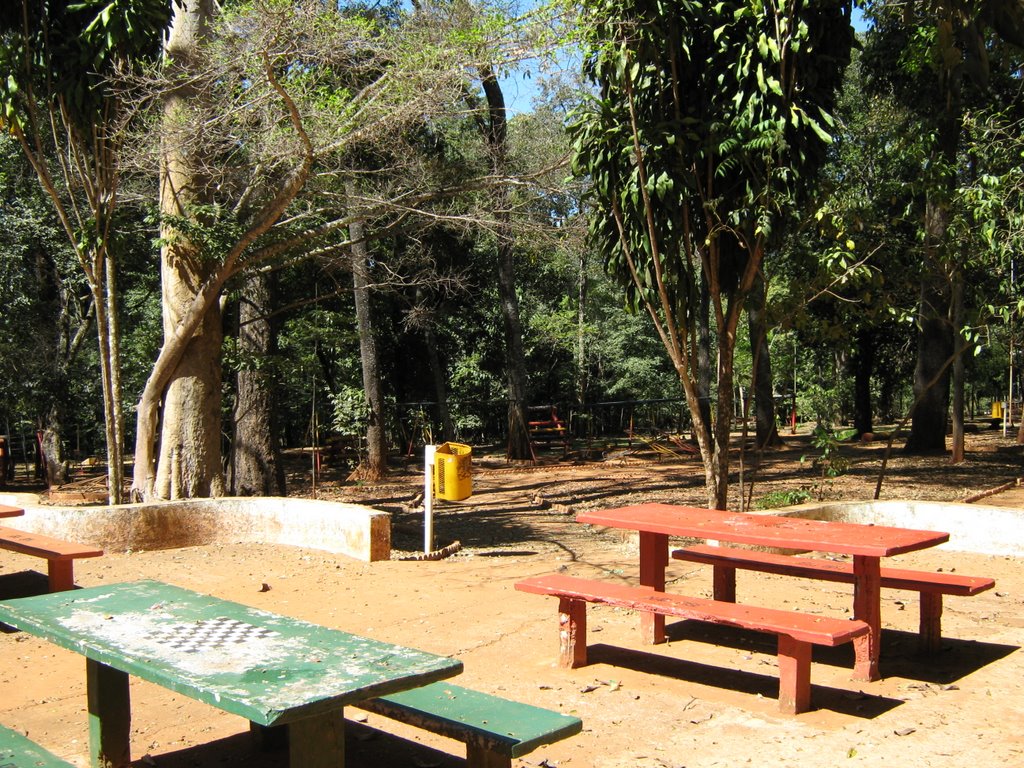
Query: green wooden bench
[[17, 751], [930, 585], [494, 729]]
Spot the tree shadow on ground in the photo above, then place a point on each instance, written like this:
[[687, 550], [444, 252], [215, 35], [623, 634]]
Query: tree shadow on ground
[[23, 584], [848, 702], [899, 656], [365, 747]]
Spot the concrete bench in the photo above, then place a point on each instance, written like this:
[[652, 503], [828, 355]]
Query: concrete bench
[[931, 586], [797, 632], [60, 555], [494, 729], [17, 751]]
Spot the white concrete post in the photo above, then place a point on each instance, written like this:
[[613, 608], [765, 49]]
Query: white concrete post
[[428, 498]]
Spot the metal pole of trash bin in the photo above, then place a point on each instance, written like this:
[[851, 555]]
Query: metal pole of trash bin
[[428, 498]]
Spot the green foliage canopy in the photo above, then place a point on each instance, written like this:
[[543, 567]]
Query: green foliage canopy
[[709, 116]]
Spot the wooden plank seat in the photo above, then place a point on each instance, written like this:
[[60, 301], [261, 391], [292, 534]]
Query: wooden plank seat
[[494, 729], [931, 586], [797, 632], [60, 555], [17, 751]]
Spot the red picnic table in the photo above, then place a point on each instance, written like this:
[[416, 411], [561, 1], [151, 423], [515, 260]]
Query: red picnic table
[[868, 544], [9, 511]]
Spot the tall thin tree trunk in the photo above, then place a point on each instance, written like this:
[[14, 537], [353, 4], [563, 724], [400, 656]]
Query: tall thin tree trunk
[[705, 371], [581, 329], [496, 134], [376, 465], [115, 452], [957, 454], [766, 430], [437, 371], [440, 387]]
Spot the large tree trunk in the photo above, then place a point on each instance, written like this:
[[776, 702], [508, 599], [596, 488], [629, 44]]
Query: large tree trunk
[[185, 380], [375, 467], [515, 358], [52, 450], [256, 468], [863, 366], [766, 430], [496, 134], [934, 353], [935, 342], [189, 462]]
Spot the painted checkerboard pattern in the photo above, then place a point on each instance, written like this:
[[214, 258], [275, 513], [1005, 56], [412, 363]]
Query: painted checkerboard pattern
[[210, 634]]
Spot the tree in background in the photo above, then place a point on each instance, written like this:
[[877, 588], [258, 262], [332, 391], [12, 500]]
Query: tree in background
[[708, 121], [45, 322], [55, 99], [274, 73], [255, 459], [938, 59]]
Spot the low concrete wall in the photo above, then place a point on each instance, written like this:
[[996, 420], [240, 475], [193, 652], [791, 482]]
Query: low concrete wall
[[971, 527], [348, 529]]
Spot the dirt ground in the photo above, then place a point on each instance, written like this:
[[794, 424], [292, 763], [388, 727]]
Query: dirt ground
[[705, 698]]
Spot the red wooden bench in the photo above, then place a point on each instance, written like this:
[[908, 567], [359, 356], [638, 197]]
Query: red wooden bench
[[797, 632], [550, 427], [60, 555], [931, 586]]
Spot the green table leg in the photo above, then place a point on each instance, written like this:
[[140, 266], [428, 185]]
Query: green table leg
[[110, 716], [317, 742], [267, 738]]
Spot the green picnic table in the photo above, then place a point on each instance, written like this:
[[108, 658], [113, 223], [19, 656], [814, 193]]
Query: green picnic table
[[269, 669]]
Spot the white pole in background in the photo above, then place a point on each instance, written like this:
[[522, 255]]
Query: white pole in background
[[428, 498]]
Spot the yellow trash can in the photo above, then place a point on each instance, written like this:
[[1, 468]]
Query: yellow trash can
[[453, 476]]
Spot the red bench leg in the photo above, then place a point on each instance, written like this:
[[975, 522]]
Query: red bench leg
[[61, 573], [794, 675], [724, 583], [867, 606], [572, 633], [930, 637], [653, 560]]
